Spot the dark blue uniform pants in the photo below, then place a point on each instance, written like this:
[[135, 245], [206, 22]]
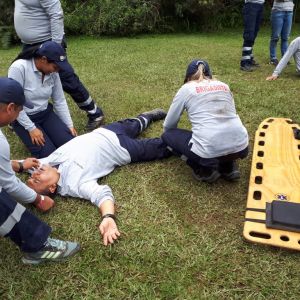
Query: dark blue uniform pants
[[139, 149], [22, 227], [178, 141], [70, 82], [252, 16], [55, 131]]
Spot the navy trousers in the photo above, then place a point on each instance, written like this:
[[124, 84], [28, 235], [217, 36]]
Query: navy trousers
[[55, 131], [70, 82], [252, 16], [178, 141], [139, 149], [22, 227]]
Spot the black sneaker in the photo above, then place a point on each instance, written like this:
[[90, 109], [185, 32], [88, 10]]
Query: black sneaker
[[94, 123], [274, 62], [54, 250], [155, 114], [207, 175], [246, 68], [231, 173]]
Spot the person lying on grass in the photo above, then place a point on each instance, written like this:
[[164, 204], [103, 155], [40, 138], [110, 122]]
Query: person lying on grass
[[217, 138], [292, 50], [74, 168]]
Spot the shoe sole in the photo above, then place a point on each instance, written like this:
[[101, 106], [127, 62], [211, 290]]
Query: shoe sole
[[245, 70], [210, 179], [29, 261], [233, 176]]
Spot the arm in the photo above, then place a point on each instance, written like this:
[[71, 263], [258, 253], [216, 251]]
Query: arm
[[54, 11], [101, 196], [8, 180], [60, 103], [292, 49], [19, 166], [108, 227], [17, 72], [175, 110]]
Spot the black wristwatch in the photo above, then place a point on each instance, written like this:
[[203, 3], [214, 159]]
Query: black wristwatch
[[109, 216], [21, 167]]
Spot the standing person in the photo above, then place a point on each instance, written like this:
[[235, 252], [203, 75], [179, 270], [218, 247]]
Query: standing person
[[218, 137], [16, 222], [281, 21], [293, 50], [252, 17], [38, 21], [86, 158], [45, 127]]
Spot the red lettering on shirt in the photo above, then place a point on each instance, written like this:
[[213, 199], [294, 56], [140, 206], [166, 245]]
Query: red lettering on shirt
[[212, 88]]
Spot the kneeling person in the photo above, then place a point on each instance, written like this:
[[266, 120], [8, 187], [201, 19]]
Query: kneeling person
[[218, 137], [74, 168]]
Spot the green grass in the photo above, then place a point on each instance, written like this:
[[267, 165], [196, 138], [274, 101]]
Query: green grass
[[180, 239]]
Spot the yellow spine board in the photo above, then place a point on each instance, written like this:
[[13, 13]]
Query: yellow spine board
[[275, 175]]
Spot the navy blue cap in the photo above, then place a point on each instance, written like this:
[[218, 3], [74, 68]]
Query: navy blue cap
[[12, 92], [56, 54], [193, 68]]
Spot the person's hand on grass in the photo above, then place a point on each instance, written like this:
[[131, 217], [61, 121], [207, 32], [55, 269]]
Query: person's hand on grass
[[109, 231], [272, 77]]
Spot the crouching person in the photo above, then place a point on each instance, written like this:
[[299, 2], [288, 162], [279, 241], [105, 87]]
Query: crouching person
[[16, 222], [218, 137]]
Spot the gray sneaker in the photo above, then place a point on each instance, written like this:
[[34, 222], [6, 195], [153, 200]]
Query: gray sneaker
[[155, 114], [53, 250]]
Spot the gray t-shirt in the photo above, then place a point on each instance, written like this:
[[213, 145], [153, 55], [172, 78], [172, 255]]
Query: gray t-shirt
[[255, 1], [292, 50], [216, 128], [283, 5], [37, 21]]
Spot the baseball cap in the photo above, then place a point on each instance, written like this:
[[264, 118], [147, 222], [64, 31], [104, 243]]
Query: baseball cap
[[54, 53], [193, 68], [12, 92]]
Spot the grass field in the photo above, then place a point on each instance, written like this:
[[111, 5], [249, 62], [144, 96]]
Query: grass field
[[181, 239]]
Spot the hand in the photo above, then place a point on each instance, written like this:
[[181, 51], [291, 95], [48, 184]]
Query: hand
[[43, 203], [109, 231], [272, 77], [73, 131], [30, 162], [37, 137]]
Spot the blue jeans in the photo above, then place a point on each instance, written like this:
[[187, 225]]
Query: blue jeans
[[281, 22]]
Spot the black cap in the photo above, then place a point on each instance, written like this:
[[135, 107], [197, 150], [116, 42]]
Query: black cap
[[55, 53], [12, 92]]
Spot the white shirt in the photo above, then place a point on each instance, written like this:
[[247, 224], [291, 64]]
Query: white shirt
[[85, 159], [216, 128]]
